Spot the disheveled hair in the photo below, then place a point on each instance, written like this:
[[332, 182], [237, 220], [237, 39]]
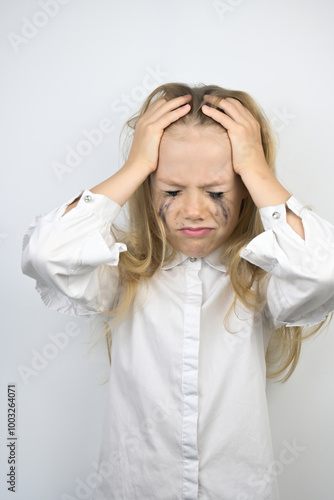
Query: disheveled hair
[[148, 249]]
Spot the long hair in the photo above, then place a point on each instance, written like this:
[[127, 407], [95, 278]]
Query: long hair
[[148, 249]]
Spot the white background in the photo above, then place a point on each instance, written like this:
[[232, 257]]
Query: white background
[[97, 60]]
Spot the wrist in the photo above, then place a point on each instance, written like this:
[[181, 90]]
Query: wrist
[[263, 186], [259, 167], [135, 170], [138, 166]]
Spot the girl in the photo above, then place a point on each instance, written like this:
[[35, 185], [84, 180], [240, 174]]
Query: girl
[[218, 271]]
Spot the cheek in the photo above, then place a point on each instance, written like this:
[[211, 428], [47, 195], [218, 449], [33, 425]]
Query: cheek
[[163, 209], [222, 210]]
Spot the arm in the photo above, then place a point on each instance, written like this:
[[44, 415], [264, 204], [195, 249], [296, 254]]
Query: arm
[[266, 190], [300, 272], [70, 250], [66, 254], [300, 264], [143, 158], [248, 157], [120, 186]]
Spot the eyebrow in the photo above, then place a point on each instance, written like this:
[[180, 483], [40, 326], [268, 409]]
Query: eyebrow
[[171, 182]]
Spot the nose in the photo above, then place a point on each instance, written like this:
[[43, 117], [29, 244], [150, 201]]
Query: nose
[[194, 206]]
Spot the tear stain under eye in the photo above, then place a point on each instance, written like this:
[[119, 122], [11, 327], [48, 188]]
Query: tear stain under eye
[[225, 211], [163, 211]]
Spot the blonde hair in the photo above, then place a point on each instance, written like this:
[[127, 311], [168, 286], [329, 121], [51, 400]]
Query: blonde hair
[[148, 249]]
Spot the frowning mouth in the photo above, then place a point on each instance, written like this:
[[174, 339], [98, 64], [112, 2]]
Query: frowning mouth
[[195, 231]]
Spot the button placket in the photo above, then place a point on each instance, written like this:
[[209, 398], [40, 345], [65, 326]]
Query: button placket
[[190, 362]]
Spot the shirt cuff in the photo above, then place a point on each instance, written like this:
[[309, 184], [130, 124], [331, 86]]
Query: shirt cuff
[[93, 203], [273, 216]]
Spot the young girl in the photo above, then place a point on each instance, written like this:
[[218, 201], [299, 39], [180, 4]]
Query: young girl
[[213, 280]]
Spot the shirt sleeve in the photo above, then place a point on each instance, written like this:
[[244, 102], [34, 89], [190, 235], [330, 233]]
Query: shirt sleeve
[[301, 284], [74, 257]]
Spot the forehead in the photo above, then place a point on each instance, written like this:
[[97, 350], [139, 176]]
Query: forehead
[[194, 154], [192, 134]]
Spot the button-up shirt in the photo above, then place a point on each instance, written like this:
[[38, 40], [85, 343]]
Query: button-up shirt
[[186, 414]]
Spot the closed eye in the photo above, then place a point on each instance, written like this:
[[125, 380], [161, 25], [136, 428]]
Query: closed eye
[[216, 195], [175, 193], [171, 193]]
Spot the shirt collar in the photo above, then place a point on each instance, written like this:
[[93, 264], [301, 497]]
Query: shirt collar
[[213, 259]]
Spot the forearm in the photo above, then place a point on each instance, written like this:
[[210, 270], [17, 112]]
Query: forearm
[[266, 190], [120, 186]]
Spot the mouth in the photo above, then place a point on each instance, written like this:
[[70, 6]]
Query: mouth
[[198, 231]]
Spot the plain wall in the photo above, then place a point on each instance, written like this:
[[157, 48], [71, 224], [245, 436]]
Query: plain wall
[[89, 63]]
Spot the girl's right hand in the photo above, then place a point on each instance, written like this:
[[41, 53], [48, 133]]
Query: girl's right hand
[[150, 128]]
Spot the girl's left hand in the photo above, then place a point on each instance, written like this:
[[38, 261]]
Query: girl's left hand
[[243, 130]]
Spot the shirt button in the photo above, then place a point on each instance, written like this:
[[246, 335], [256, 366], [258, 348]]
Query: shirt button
[[87, 198], [193, 259], [276, 215]]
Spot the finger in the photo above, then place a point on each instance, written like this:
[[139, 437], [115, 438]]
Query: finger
[[246, 119], [173, 116], [226, 121], [167, 114], [226, 106], [234, 108], [152, 108], [241, 107], [166, 106]]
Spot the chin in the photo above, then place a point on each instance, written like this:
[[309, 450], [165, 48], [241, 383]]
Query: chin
[[196, 252]]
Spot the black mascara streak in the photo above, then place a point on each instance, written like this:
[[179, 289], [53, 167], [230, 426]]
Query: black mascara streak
[[223, 208], [162, 213]]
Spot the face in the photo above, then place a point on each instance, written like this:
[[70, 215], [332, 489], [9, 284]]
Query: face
[[195, 190]]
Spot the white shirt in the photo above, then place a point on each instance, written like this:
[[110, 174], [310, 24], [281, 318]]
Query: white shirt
[[187, 413]]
